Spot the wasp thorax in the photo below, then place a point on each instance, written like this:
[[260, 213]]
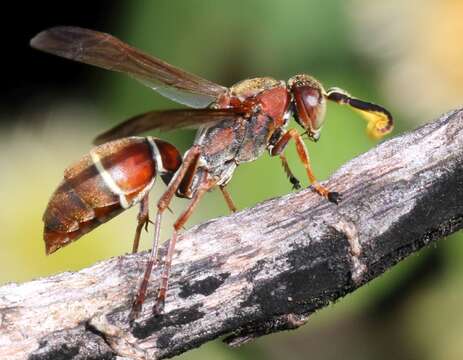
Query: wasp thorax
[[309, 103], [251, 87]]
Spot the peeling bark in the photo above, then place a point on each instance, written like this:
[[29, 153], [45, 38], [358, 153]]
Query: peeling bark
[[259, 271]]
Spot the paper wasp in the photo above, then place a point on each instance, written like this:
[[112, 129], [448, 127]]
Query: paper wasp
[[235, 125]]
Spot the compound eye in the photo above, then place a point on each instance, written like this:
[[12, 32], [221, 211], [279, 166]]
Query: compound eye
[[310, 107]]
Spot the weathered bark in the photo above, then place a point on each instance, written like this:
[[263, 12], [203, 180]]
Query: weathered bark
[[258, 271]]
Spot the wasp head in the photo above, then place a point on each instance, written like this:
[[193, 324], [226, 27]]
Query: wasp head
[[309, 103]]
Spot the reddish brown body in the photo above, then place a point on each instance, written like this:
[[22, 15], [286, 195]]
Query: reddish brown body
[[236, 125], [111, 178]]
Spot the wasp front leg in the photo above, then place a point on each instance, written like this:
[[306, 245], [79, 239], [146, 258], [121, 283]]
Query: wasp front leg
[[303, 154], [292, 179]]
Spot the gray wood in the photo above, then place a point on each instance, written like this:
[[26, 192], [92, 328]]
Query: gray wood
[[258, 271]]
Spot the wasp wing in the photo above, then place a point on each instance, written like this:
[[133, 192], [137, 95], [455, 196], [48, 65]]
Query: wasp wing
[[108, 52], [168, 120]]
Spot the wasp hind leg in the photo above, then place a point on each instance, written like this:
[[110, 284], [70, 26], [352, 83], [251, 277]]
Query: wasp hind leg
[[204, 187], [143, 221], [189, 162]]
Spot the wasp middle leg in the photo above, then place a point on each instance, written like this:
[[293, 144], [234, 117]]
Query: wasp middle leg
[[228, 199]]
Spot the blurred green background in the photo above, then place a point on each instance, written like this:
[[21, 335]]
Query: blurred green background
[[403, 55]]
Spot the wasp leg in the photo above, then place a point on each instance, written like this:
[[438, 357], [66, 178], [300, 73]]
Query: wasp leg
[[204, 186], [189, 161], [143, 221], [292, 179], [228, 198], [185, 185], [304, 156], [380, 121]]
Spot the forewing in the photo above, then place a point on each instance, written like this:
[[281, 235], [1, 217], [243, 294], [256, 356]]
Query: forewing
[[106, 51], [168, 120]]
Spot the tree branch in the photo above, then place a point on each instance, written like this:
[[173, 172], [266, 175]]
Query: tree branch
[[258, 271]]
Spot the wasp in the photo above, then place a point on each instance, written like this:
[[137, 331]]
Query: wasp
[[236, 124]]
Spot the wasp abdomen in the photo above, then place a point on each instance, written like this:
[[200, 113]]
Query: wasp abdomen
[[108, 180]]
